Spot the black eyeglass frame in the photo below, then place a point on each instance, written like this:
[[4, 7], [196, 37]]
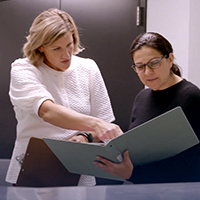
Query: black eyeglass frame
[[148, 64]]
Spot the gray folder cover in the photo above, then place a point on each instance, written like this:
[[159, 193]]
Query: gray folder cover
[[154, 140]]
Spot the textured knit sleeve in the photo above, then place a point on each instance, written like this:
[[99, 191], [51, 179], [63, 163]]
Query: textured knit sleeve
[[26, 89], [100, 101]]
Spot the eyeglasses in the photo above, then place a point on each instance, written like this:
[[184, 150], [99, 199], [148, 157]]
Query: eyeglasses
[[153, 64]]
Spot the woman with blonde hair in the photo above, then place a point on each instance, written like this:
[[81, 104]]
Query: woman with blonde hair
[[55, 93]]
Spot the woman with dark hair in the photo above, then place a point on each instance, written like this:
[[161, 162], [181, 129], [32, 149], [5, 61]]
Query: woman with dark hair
[[153, 61]]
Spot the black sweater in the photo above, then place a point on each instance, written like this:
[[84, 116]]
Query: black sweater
[[148, 104]]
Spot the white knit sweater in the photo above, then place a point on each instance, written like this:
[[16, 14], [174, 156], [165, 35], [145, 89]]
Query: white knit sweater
[[80, 87]]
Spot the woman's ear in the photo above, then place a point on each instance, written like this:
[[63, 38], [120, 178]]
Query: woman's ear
[[40, 49], [171, 59]]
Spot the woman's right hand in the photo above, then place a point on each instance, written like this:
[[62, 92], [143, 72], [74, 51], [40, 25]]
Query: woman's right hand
[[105, 130], [123, 169]]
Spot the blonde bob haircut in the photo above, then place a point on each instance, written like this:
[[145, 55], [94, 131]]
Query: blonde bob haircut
[[47, 27]]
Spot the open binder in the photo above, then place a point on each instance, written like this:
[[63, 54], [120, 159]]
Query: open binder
[[154, 140]]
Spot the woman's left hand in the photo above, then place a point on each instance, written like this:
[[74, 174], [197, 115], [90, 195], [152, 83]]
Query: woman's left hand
[[78, 138], [123, 169]]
